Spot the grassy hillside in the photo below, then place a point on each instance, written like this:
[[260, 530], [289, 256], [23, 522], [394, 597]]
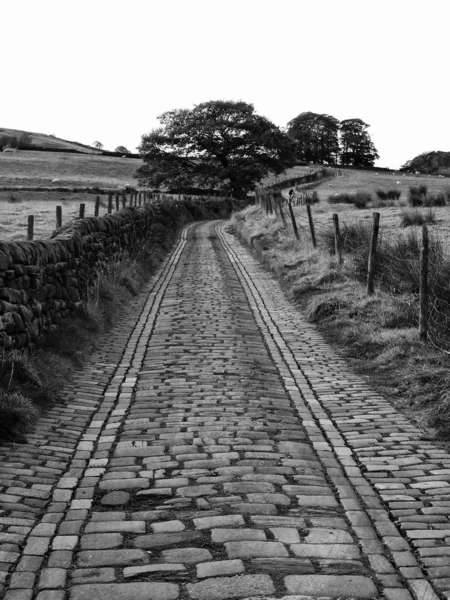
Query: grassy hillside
[[351, 181], [39, 169], [44, 141]]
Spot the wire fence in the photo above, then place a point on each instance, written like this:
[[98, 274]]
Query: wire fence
[[412, 264]]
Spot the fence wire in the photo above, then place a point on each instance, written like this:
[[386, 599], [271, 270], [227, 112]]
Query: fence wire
[[398, 262]]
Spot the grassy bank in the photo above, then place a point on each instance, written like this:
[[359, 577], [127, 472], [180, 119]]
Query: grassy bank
[[377, 334]]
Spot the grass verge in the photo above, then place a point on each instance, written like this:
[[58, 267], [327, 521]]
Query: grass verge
[[377, 334]]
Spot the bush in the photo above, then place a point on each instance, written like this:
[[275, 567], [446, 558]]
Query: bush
[[355, 238], [438, 199], [311, 197], [359, 199], [18, 415], [414, 216], [392, 194], [417, 194]]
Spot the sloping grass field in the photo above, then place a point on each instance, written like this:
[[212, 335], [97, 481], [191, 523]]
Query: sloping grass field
[[38, 169], [23, 174]]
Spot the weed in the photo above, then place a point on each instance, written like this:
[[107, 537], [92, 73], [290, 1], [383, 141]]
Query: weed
[[415, 216], [438, 199], [359, 199], [18, 414], [417, 195]]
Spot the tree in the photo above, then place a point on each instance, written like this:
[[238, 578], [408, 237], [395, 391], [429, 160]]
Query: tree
[[316, 136], [218, 144], [97, 145], [122, 150], [357, 147]]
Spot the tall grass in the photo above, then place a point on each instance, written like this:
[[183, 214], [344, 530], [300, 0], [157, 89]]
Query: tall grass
[[392, 194], [358, 199], [415, 216]]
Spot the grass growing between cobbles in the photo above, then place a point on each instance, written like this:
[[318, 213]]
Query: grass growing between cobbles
[[377, 334]]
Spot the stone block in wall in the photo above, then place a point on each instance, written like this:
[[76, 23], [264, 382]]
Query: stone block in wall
[[5, 261], [13, 296]]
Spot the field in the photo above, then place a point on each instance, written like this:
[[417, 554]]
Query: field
[[39, 169], [14, 213], [351, 181], [27, 171]]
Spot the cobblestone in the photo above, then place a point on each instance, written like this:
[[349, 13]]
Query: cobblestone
[[216, 448]]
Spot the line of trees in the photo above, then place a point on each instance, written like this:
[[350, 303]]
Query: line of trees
[[226, 146], [322, 138]]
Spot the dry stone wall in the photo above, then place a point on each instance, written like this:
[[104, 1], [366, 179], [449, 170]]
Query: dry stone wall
[[45, 281]]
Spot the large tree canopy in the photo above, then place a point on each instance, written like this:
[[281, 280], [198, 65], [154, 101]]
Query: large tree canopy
[[322, 138], [316, 136], [357, 147], [218, 144]]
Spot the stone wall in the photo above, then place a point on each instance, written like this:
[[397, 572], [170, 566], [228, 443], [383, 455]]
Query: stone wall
[[44, 281]]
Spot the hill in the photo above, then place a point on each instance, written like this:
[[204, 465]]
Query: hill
[[28, 140], [63, 169], [437, 162]]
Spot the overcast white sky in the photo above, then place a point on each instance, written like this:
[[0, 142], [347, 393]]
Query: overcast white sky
[[89, 70]]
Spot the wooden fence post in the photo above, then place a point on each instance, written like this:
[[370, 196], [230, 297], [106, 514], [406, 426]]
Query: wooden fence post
[[124, 199], [337, 238], [117, 202], [280, 208], [140, 198], [311, 225], [58, 217], [97, 206], [82, 207], [423, 296], [372, 254], [110, 203], [30, 228], [294, 224]]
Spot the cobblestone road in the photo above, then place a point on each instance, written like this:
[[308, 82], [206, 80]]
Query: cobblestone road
[[217, 448]]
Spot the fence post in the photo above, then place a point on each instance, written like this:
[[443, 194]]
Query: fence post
[[124, 199], [311, 225], [337, 238], [58, 217], [372, 254], [82, 207], [110, 202], [117, 202], [30, 229], [294, 224], [423, 296], [97, 206], [280, 208], [140, 198]]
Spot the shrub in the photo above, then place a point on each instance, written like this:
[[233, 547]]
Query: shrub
[[18, 415], [311, 197], [417, 194], [359, 199], [414, 216], [355, 238], [392, 194], [438, 199]]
